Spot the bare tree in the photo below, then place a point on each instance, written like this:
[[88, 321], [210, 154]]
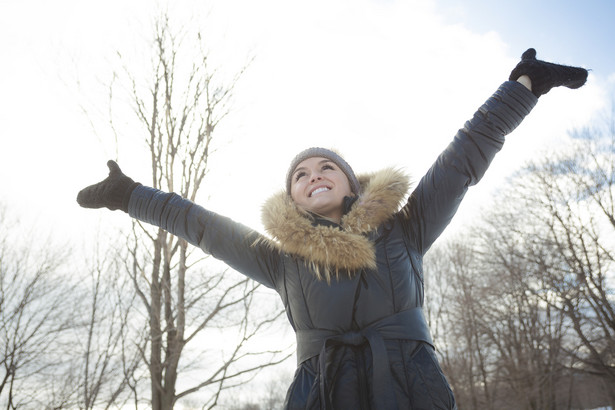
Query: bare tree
[[571, 196], [186, 299], [529, 292], [455, 288], [527, 333], [63, 345], [104, 360], [33, 313], [501, 347]]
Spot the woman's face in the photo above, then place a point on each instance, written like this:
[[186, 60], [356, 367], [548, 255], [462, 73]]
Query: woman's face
[[319, 186]]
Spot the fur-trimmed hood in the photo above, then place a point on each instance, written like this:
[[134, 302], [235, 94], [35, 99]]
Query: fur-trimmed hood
[[328, 248]]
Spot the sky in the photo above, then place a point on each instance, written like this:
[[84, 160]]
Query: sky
[[386, 82]]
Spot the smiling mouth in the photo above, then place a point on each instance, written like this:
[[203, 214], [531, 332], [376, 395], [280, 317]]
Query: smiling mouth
[[319, 190]]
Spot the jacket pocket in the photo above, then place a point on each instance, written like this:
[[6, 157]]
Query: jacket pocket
[[303, 392], [427, 386]]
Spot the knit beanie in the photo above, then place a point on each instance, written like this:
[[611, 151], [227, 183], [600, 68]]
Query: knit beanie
[[334, 157]]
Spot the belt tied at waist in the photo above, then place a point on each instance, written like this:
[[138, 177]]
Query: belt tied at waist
[[408, 324]]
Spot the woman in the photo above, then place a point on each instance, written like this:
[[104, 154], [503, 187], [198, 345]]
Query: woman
[[346, 252]]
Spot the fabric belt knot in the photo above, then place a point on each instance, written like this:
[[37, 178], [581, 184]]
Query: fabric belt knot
[[350, 338], [408, 324]]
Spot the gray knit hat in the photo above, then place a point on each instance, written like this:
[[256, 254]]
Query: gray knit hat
[[355, 187]]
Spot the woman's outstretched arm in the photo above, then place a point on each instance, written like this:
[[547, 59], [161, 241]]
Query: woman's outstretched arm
[[235, 244], [435, 200]]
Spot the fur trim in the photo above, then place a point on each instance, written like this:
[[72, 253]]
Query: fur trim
[[329, 249]]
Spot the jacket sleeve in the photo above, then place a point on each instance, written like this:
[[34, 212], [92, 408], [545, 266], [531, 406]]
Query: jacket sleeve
[[231, 242], [437, 196]]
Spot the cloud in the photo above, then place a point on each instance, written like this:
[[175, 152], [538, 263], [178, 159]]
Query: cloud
[[385, 82]]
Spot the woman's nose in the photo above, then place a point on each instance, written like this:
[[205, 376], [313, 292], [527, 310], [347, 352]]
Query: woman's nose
[[315, 177]]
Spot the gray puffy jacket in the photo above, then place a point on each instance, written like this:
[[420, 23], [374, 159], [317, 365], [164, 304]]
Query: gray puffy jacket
[[353, 293]]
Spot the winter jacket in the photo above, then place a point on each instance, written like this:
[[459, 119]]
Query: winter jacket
[[353, 293]]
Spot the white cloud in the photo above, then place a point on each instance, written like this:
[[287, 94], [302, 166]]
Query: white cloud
[[386, 82]]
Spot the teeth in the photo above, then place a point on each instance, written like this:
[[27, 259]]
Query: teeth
[[319, 190]]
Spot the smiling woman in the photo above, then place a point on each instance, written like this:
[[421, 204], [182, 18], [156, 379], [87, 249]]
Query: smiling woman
[[346, 252], [321, 182]]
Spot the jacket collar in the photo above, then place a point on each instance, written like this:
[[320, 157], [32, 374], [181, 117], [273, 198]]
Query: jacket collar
[[331, 249]]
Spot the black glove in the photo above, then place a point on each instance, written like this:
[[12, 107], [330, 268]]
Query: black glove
[[545, 75], [113, 192]]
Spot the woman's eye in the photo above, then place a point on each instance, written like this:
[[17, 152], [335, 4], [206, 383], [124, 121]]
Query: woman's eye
[[299, 175], [327, 166]]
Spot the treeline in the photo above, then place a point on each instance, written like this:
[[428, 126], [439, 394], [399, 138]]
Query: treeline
[[75, 334], [522, 304]]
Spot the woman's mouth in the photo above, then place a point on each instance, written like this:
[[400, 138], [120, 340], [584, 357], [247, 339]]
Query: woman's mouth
[[319, 190]]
